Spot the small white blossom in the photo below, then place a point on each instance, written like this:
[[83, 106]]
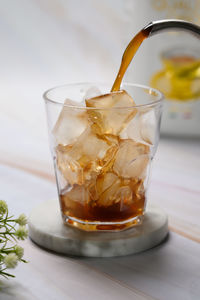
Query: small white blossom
[[21, 233], [10, 253], [3, 207], [19, 251], [22, 220], [11, 260]]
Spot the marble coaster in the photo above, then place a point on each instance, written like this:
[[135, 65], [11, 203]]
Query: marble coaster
[[47, 230]]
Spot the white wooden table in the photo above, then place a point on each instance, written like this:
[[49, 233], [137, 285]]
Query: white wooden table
[[169, 271]]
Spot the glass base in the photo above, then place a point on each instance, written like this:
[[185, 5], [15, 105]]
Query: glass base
[[102, 226]]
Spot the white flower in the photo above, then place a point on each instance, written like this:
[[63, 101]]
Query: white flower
[[3, 207], [22, 220], [11, 260], [19, 251], [21, 233]]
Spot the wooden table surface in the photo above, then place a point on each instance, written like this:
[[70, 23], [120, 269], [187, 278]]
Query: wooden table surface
[[169, 271]]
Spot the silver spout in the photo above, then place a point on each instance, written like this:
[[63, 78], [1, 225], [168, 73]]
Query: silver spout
[[171, 25]]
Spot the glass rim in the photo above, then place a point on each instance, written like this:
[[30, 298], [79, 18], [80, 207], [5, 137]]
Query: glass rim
[[152, 91]]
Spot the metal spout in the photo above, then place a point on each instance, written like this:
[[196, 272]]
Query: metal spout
[[171, 25]]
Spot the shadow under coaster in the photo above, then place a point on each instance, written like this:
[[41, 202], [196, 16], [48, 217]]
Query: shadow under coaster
[[46, 228]]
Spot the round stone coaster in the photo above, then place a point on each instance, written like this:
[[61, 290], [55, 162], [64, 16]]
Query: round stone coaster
[[47, 230]]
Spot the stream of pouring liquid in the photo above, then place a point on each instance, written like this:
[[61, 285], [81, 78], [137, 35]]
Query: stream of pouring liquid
[[128, 56]]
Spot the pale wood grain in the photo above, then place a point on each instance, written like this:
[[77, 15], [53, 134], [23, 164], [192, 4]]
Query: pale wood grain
[[175, 185], [169, 271], [53, 277]]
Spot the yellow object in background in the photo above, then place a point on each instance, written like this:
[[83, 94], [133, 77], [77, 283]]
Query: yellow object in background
[[180, 77]]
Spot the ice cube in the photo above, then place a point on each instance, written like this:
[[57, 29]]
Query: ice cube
[[142, 128], [124, 196], [132, 131], [69, 168], [111, 191], [112, 115], [108, 196], [137, 187], [131, 159], [104, 181], [78, 194], [88, 155], [148, 126], [97, 185], [90, 145], [70, 124]]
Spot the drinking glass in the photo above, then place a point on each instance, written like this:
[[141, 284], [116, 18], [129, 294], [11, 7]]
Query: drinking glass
[[102, 155]]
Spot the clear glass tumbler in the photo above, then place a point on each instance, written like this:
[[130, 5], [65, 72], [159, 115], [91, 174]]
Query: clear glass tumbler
[[102, 152]]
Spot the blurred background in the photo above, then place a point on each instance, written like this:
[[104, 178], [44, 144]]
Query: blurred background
[[45, 43]]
